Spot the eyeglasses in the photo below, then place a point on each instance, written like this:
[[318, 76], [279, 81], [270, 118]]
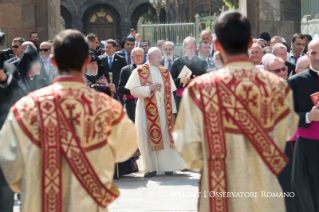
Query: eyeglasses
[[43, 50], [14, 47], [168, 49], [137, 55], [278, 70]]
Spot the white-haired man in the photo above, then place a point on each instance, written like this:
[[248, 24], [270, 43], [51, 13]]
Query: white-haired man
[[277, 66], [280, 50], [169, 56], [256, 54], [206, 36], [197, 65], [154, 87]]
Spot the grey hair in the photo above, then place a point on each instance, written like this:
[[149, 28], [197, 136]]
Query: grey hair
[[168, 43], [271, 60], [260, 39], [189, 38], [281, 46], [136, 49]]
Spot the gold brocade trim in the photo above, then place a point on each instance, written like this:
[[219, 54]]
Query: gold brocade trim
[[151, 109]]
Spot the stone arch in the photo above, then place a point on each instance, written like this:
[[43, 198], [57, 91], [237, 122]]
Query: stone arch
[[144, 8], [106, 23], [116, 5], [66, 16], [203, 6]]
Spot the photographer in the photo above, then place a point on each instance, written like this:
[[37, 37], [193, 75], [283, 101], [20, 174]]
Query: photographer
[[16, 49]]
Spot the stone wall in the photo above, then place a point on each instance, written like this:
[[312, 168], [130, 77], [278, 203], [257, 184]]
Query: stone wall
[[310, 27], [18, 18], [275, 17]]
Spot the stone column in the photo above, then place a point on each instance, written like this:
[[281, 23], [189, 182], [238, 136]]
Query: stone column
[[125, 28], [275, 17], [78, 24], [21, 17]]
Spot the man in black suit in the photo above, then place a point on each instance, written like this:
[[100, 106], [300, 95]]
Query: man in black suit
[[93, 42], [145, 45], [47, 68], [204, 51], [305, 172], [197, 65], [16, 49], [130, 101], [280, 50], [169, 56], [113, 63], [128, 45]]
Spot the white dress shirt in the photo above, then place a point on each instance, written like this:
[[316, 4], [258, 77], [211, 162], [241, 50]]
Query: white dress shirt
[[166, 62]]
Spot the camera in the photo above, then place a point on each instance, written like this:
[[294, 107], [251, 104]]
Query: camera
[[5, 53]]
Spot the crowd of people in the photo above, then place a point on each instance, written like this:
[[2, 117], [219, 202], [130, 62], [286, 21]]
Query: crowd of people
[[236, 102]]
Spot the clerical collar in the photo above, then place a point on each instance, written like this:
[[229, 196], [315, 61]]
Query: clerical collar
[[151, 65], [314, 70]]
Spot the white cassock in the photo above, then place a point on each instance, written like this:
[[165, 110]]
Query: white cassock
[[163, 160]]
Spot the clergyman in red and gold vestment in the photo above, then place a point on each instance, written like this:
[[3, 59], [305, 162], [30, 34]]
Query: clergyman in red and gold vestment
[[233, 125], [59, 144], [154, 87]]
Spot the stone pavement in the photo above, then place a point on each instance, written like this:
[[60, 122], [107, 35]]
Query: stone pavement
[[161, 193]]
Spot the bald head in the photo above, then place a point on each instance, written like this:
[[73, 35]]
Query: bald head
[[256, 53], [25, 45], [137, 56], [303, 64], [45, 50], [313, 53], [206, 36]]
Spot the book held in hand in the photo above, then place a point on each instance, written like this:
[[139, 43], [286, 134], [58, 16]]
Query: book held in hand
[[315, 98]]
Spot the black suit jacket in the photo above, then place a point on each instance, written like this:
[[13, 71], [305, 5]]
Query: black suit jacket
[[198, 67], [117, 65], [44, 74], [15, 90], [163, 59], [124, 75], [303, 85], [291, 68], [121, 53]]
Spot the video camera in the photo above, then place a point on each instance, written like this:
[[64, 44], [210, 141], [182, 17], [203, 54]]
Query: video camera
[[5, 53]]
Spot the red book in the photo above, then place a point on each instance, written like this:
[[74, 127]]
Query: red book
[[315, 98]]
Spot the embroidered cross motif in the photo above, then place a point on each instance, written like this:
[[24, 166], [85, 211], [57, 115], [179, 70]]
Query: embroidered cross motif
[[248, 100], [47, 106]]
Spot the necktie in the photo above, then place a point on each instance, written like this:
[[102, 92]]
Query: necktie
[[169, 65], [128, 59], [111, 62], [136, 44]]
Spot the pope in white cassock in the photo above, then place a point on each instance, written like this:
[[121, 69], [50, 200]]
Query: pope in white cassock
[[154, 87]]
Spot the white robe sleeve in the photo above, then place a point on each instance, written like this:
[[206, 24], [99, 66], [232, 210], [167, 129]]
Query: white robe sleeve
[[135, 87], [11, 157], [188, 134]]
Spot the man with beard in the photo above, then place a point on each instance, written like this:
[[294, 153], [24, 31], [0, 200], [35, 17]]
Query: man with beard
[[169, 56], [95, 78]]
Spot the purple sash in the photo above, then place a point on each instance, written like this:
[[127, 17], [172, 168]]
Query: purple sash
[[312, 132]]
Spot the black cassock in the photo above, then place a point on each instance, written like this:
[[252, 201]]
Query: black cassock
[[197, 65], [305, 168], [129, 104]]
